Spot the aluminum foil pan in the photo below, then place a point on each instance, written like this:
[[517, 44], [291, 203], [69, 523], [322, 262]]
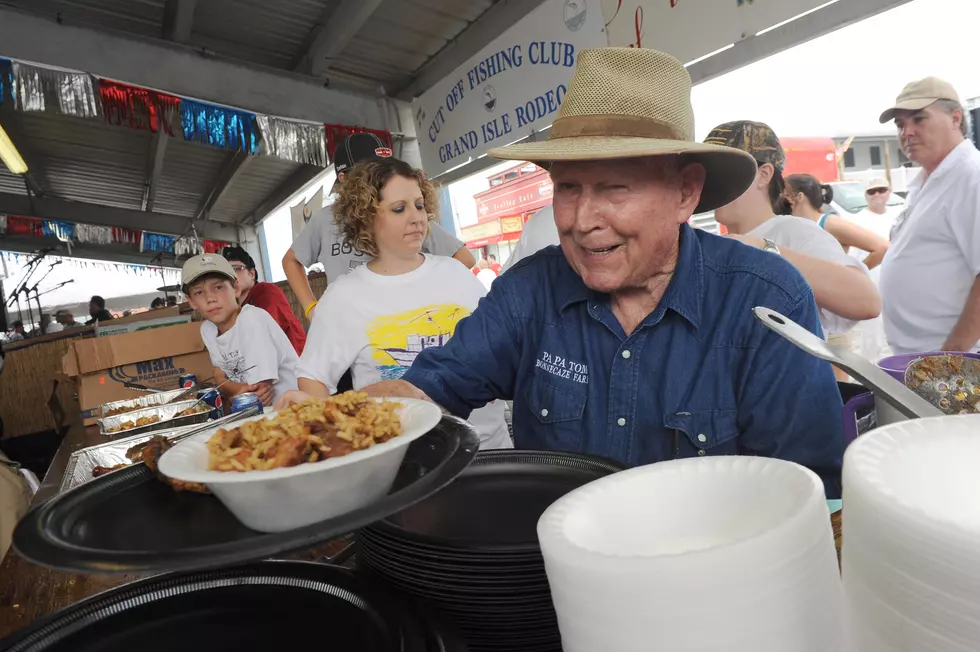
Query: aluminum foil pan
[[164, 412], [150, 400], [83, 462]]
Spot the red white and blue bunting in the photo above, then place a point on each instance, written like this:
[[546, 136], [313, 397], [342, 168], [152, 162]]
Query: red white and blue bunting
[[35, 88]]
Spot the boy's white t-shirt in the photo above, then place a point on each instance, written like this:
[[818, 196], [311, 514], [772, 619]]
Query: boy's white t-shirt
[[256, 340], [806, 237], [375, 325]]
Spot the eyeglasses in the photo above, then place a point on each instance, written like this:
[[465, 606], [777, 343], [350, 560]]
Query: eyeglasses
[[876, 191], [239, 268]]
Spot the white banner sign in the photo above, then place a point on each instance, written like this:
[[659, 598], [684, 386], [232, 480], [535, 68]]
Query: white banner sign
[[691, 29], [511, 88]]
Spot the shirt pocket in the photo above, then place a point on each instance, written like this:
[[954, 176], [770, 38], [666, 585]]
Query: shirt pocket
[[556, 418], [704, 432]]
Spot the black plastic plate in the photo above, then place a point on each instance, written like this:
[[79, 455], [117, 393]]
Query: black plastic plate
[[495, 505], [128, 521], [262, 606]]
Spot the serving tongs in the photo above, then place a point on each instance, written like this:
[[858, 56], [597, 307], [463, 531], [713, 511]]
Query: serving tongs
[[190, 390], [136, 452]]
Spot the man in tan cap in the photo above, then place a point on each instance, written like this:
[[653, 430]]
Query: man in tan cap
[[634, 339], [929, 287]]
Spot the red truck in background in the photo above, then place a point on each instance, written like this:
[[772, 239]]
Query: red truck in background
[[816, 156]]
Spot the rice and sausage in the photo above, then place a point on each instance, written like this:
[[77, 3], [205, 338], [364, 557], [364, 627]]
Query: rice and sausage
[[309, 431]]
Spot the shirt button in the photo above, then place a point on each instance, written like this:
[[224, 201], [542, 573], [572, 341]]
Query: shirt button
[[621, 421], [702, 438], [626, 354], [701, 452], [544, 412]]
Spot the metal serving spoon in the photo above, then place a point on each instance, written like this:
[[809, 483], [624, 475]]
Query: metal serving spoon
[[890, 390]]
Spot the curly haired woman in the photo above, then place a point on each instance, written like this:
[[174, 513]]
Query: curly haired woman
[[377, 318]]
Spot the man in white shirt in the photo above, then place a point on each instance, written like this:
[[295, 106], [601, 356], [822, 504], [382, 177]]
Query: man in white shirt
[[321, 240], [929, 283]]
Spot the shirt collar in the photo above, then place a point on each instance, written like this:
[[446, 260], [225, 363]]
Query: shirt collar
[[684, 293], [952, 159]]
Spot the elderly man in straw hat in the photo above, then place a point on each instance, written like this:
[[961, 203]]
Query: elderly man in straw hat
[[929, 277], [635, 339]]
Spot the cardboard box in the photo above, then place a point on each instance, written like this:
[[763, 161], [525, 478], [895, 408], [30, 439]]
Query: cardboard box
[[116, 327], [163, 316], [155, 358]]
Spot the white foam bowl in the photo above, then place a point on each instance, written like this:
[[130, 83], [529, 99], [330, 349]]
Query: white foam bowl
[[911, 556], [286, 498], [702, 554]]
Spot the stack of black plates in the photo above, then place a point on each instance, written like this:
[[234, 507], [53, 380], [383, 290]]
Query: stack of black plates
[[261, 606], [471, 550]]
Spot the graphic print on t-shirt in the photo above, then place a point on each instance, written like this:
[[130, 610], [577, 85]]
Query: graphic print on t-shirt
[[233, 364], [396, 339]]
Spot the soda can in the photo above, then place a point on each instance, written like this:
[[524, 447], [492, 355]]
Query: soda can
[[212, 398], [245, 401], [186, 381]]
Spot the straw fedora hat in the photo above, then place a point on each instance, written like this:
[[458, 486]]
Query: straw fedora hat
[[631, 103]]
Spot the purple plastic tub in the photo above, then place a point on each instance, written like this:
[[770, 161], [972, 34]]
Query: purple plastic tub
[[895, 366]]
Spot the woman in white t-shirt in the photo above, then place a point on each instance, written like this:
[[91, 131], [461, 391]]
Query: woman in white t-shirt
[[841, 286], [807, 197], [377, 318]]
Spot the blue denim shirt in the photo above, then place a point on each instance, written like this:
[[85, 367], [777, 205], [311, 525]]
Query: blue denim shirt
[[699, 376]]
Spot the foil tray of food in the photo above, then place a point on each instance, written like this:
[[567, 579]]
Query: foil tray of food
[[160, 417], [116, 408], [91, 462]]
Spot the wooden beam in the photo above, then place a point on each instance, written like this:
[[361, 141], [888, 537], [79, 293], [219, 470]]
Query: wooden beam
[[235, 162], [157, 152], [332, 33], [178, 20]]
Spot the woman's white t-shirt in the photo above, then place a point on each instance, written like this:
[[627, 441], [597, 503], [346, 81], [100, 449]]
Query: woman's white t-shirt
[[806, 237], [256, 341], [375, 325]]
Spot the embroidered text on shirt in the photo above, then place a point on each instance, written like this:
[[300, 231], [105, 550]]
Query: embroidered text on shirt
[[563, 368]]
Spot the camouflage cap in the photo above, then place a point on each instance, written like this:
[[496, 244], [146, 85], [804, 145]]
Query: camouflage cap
[[756, 138]]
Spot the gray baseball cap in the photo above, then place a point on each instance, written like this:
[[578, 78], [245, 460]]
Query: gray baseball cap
[[202, 264]]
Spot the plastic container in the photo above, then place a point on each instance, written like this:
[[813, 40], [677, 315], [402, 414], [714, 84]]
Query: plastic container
[[911, 555], [723, 553], [285, 498]]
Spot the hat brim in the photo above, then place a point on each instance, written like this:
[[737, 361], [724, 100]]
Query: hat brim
[[230, 277], [907, 105], [729, 171]]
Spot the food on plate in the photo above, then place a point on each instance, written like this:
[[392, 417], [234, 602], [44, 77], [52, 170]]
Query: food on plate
[[149, 453], [99, 471], [309, 431], [122, 410], [139, 423], [194, 409]]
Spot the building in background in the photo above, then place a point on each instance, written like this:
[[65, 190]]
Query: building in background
[[516, 193], [875, 156]]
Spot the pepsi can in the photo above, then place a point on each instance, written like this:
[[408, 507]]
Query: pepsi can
[[186, 381], [212, 398], [245, 401]]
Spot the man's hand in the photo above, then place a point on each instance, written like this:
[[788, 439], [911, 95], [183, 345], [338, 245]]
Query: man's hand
[[290, 397], [263, 390], [395, 388]]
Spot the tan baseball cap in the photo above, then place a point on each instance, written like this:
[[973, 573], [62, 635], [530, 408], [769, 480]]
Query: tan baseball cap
[[202, 264], [878, 183], [919, 94]]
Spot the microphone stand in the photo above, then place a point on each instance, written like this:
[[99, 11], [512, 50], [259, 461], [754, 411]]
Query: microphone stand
[[32, 266], [37, 299]]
